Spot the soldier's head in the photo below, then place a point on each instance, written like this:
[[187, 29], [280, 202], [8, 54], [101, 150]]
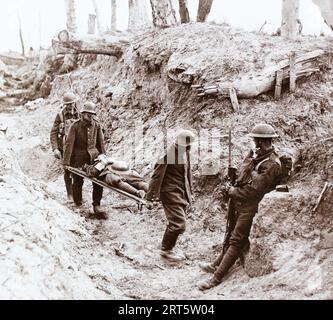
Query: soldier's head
[[88, 112], [69, 101], [262, 135], [184, 140]]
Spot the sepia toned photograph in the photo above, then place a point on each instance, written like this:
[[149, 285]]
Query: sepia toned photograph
[[166, 150]]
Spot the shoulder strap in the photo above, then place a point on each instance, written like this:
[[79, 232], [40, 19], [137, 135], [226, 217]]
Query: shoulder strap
[[273, 157], [61, 115]]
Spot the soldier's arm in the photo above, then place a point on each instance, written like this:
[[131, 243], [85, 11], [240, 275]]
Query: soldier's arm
[[54, 133], [69, 145], [100, 140], [153, 189], [261, 183]]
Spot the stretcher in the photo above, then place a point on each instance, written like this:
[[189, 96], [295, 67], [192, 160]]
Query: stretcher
[[139, 201]]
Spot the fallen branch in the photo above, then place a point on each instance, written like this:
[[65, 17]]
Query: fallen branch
[[67, 43], [251, 86]]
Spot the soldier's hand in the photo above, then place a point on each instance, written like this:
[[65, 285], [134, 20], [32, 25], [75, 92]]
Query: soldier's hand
[[57, 154], [230, 191], [224, 191], [150, 205]]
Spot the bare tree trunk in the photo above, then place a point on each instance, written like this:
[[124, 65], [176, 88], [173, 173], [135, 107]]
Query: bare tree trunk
[[290, 14], [183, 11], [163, 13], [71, 16], [326, 8], [98, 18], [21, 35], [137, 17], [204, 10], [91, 24], [113, 15], [131, 14]]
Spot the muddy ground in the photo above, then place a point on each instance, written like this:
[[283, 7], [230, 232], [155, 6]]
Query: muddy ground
[[51, 250]]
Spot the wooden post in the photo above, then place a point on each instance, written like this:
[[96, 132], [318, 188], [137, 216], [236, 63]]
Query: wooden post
[[278, 84], [91, 24], [234, 100], [320, 198], [292, 71]]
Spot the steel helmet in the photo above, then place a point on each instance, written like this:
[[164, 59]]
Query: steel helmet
[[69, 97], [263, 131], [89, 107], [185, 138]]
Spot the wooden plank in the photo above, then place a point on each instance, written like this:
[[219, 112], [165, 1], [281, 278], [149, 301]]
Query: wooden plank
[[320, 198], [278, 84], [292, 62], [211, 91], [233, 99], [105, 185]]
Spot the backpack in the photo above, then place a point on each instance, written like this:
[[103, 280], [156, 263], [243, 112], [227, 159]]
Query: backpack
[[64, 127]]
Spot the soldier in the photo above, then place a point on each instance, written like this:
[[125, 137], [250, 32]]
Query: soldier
[[59, 132], [171, 183], [117, 174], [258, 176], [85, 142]]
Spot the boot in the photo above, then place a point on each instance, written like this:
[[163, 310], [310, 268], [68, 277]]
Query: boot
[[172, 256], [99, 213], [208, 284], [69, 186], [169, 240], [207, 267], [141, 194], [70, 198]]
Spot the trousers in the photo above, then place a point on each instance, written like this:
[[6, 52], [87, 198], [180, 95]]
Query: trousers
[[239, 240]]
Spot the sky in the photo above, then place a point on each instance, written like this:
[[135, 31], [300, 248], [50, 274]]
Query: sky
[[42, 19]]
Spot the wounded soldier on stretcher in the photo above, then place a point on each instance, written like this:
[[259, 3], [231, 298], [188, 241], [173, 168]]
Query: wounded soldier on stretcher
[[117, 174]]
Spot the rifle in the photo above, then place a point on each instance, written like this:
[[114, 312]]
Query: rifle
[[231, 221]]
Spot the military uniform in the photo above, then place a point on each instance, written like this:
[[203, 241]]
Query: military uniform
[[171, 183], [59, 131], [257, 177], [83, 145]]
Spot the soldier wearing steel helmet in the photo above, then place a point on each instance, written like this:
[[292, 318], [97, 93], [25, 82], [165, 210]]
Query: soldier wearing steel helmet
[[258, 175], [85, 142], [171, 183], [62, 122]]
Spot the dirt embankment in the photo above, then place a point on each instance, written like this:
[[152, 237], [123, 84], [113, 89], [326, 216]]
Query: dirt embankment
[[291, 255]]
